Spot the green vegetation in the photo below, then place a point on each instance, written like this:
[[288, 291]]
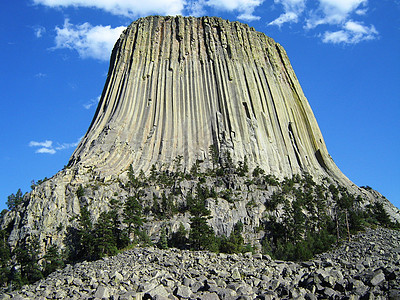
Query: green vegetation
[[53, 260], [306, 226], [80, 192], [302, 218], [14, 200], [5, 256], [27, 255]]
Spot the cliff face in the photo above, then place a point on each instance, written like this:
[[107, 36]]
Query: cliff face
[[178, 85]]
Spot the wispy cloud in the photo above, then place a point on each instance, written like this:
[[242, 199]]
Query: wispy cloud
[[97, 41], [91, 103], [46, 150], [334, 12], [245, 8], [137, 8], [352, 33], [48, 146], [128, 8], [40, 75], [337, 14], [39, 31], [292, 10], [89, 41]]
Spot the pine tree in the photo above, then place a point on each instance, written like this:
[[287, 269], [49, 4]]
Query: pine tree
[[163, 241], [179, 238], [132, 215], [5, 255], [85, 236], [14, 200], [80, 192], [27, 255], [243, 167], [120, 236], [235, 242], [105, 243], [214, 154], [52, 260], [201, 235]]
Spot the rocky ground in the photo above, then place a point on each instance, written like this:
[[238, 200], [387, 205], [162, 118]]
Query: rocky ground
[[368, 267]]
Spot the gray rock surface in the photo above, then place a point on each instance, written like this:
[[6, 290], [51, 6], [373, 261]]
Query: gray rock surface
[[177, 85], [150, 273]]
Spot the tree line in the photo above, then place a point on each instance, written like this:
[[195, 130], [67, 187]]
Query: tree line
[[303, 218]]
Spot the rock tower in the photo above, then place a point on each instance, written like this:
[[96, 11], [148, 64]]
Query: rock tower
[[177, 85]]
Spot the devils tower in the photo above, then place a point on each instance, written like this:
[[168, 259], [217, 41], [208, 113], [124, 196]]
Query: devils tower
[[177, 86]]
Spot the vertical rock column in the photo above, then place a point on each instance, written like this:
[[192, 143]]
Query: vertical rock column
[[176, 85]]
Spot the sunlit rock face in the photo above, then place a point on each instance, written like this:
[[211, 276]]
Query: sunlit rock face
[[177, 85]]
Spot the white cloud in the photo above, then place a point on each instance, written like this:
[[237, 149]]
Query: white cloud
[[244, 7], [46, 144], [128, 8], [97, 41], [45, 147], [89, 41], [40, 75], [67, 145], [136, 8], [39, 31], [196, 8], [48, 148], [334, 11], [352, 33], [92, 102], [292, 10], [361, 12]]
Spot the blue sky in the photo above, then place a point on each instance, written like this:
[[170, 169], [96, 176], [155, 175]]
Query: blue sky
[[54, 59]]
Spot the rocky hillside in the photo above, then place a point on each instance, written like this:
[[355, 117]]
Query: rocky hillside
[[366, 268]]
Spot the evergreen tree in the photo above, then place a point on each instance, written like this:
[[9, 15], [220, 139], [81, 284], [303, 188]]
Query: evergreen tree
[[163, 241], [201, 235], [258, 172], [214, 154], [80, 192], [235, 242], [14, 200], [380, 215], [136, 182], [179, 238], [85, 236], [132, 215], [5, 255], [52, 260], [243, 167], [121, 238], [195, 169], [105, 243], [27, 255]]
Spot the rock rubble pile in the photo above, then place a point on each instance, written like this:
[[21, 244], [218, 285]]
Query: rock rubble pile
[[368, 267]]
